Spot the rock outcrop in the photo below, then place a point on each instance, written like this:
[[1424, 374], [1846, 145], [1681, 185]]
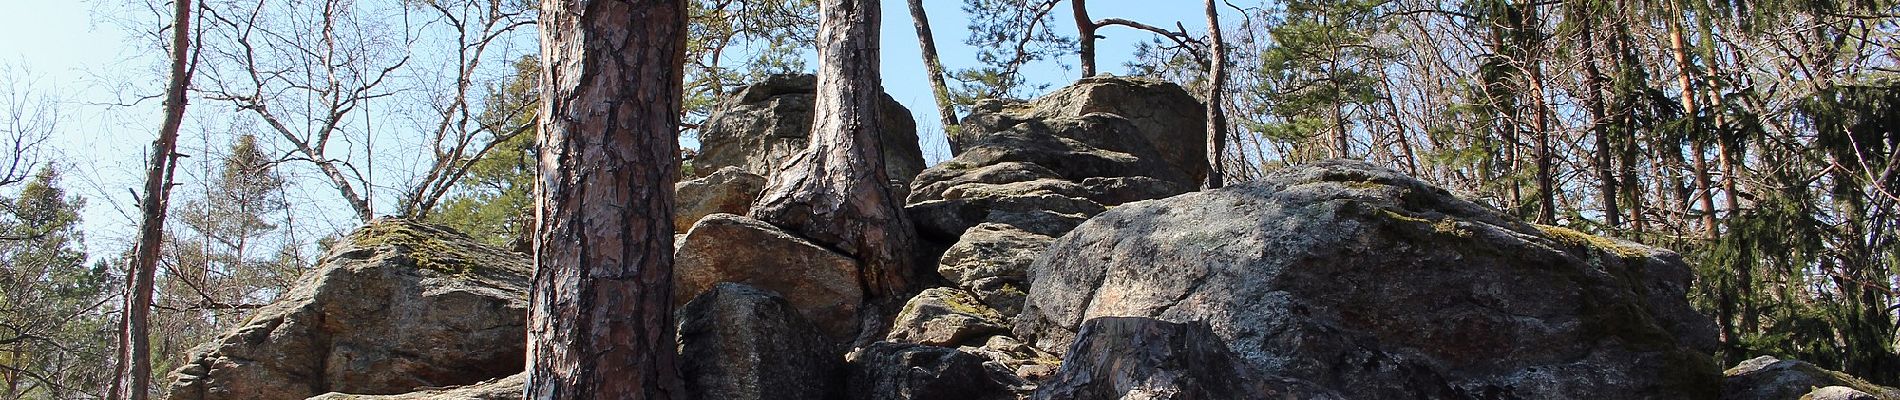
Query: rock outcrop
[[1769, 378], [1370, 284], [946, 317], [821, 284], [901, 371], [1152, 119], [397, 306], [1144, 358], [741, 343], [509, 388], [760, 126], [730, 190]]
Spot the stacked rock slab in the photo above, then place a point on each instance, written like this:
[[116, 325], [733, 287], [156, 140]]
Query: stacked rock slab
[[741, 343], [1769, 378], [396, 307], [759, 127], [821, 284], [1363, 282], [1025, 173]]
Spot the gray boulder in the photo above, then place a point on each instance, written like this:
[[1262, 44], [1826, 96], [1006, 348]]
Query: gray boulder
[[821, 284], [1144, 358], [992, 261], [395, 307], [741, 343], [1166, 119], [729, 190], [902, 371], [1770, 378], [946, 317], [1375, 285], [761, 126]]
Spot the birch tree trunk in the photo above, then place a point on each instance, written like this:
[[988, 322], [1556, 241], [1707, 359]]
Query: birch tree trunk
[[601, 318]]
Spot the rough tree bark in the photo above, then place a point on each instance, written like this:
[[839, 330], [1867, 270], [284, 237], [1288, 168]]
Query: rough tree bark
[[132, 379], [1216, 100], [1085, 37], [836, 192], [601, 322], [934, 66]]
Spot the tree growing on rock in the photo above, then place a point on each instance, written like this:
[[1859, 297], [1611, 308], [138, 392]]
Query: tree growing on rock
[[837, 192], [600, 323]]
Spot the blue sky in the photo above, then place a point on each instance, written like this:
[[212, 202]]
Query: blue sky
[[70, 48]]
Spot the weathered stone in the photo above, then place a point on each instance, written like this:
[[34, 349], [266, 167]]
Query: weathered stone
[[946, 317], [1046, 214], [1770, 378], [992, 260], [902, 371], [934, 181], [1376, 285], [1165, 118], [759, 127], [1838, 393], [1048, 143], [396, 306], [1029, 363], [821, 284], [1120, 190], [1144, 358], [741, 343], [509, 388], [729, 190]]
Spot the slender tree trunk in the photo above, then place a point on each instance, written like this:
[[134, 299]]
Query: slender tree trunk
[[601, 315], [1540, 120], [1603, 157], [133, 377], [836, 192], [1085, 36], [934, 66], [1216, 101]]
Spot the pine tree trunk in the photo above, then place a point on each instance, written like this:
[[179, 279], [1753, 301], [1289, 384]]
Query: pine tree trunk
[[133, 376], [836, 192], [934, 66], [601, 315], [1085, 36], [1594, 85], [1216, 101]]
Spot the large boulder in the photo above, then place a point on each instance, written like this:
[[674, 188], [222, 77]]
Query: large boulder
[[946, 317], [759, 127], [821, 284], [1770, 378], [1168, 120], [729, 190], [1144, 358], [396, 306], [1371, 284], [992, 261], [741, 343], [903, 371]]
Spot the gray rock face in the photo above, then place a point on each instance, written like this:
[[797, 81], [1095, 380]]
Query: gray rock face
[[760, 126], [1144, 358], [1769, 378], [992, 260], [509, 388], [897, 371], [821, 284], [1375, 285], [395, 307], [946, 317], [1168, 121], [742, 343], [729, 190]]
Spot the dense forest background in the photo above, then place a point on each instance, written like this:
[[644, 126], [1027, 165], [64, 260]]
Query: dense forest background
[[1757, 138]]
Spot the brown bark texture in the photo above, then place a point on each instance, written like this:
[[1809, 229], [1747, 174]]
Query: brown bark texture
[[1216, 100], [132, 378], [600, 322], [836, 192], [934, 66]]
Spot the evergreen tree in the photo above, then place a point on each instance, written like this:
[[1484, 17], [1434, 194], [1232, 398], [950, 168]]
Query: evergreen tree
[[55, 336]]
